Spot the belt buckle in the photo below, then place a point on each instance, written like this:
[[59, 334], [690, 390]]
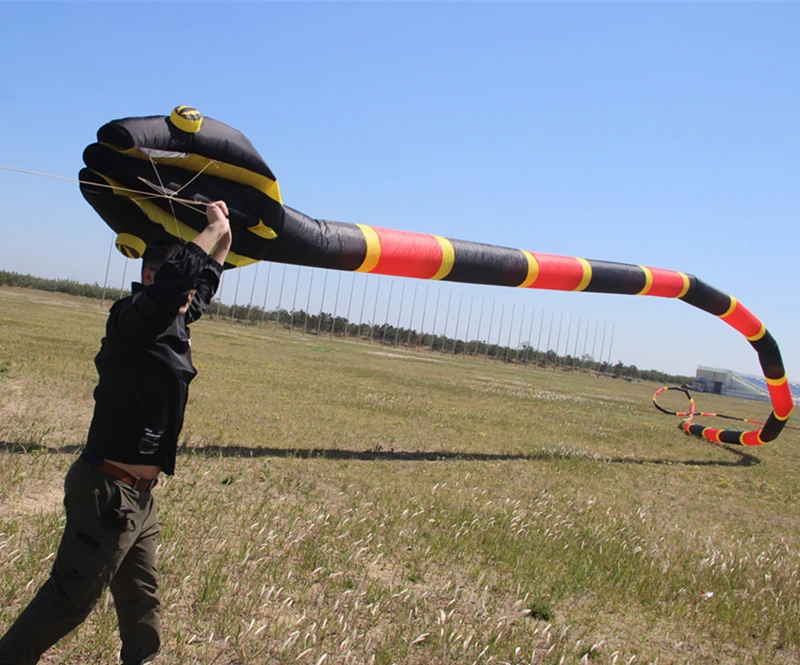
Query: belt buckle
[[147, 484]]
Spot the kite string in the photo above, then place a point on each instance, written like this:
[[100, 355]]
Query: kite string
[[172, 196], [145, 195], [195, 176], [177, 233]]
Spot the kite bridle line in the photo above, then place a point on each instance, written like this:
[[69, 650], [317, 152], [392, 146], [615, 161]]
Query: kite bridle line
[[171, 197], [145, 196]]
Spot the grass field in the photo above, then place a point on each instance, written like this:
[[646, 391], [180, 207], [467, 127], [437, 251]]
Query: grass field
[[342, 503]]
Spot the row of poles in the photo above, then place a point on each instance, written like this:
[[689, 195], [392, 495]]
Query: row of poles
[[528, 347], [484, 308]]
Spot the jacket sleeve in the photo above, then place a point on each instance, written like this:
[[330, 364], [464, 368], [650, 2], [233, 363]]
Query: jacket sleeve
[[152, 310], [206, 287]]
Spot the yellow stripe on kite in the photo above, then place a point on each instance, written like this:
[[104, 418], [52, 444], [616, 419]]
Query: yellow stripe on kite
[[154, 213], [448, 258], [776, 382], [238, 260], [171, 225], [373, 253], [263, 231], [533, 270], [587, 274], [198, 164], [648, 281], [759, 334], [686, 284], [734, 302]]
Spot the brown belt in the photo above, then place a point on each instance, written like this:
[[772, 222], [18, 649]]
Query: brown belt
[[126, 477]]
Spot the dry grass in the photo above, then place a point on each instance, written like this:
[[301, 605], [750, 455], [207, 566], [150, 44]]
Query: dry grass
[[341, 503]]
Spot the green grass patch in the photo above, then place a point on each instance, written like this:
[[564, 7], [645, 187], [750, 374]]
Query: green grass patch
[[335, 503]]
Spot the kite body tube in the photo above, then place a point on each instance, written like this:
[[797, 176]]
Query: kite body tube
[[152, 176]]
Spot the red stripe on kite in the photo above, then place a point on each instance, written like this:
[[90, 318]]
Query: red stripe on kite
[[558, 273], [752, 438], [407, 254], [666, 283], [781, 397], [743, 320]]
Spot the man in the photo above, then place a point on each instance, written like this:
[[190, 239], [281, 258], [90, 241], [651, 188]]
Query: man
[[109, 540]]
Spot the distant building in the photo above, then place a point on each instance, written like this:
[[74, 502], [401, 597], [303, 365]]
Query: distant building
[[736, 384]]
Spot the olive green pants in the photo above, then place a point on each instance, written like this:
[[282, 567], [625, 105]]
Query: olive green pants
[[109, 541]]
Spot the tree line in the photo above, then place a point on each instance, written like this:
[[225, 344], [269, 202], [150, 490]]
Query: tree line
[[384, 334]]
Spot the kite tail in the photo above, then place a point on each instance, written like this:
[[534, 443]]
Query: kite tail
[[741, 319], [406, 254]]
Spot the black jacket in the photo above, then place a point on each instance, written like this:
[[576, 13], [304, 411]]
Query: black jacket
[[145, 363]]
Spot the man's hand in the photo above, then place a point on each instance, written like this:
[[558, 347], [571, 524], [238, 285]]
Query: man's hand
[[218, 232], [217, 213]]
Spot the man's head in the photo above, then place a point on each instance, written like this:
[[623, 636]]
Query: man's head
[[156, 255]]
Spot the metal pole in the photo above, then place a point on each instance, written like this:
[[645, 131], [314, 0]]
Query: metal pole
[[469, 321], [399, 314], [530, 336], [500, 329], [510, 329], [124, 272], [422, 323], [458, 320], [435, 316], [558, 340], [108, 267], [349, 305], [252, 293], [585, 341], [611, 343], [236, 294], [266, 290], [336, 303], [446, 319], [491, 324], [480, 325], [219, 300], [411, 320], [308, 300], [603, 343], [386, 320], [577, 337], [566, 346], [547, 351], [375, 310], [363, 302], [539, 342], [280, 298], [322, 302], [294, 300]]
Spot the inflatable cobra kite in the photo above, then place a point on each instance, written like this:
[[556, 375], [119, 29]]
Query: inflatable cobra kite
[[151, 176]]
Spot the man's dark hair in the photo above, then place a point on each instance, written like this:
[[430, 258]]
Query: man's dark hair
[[158, 251]]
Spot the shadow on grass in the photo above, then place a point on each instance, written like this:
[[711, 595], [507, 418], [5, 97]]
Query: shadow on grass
[[743, 458]]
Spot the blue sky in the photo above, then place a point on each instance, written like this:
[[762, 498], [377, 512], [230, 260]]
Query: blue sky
[[663, 134]]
